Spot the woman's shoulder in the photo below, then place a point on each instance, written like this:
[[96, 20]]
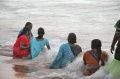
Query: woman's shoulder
[[104, 52], [86, 52], [78, 46], [104, 56], [45, 39], [23, 36], [64, 45]]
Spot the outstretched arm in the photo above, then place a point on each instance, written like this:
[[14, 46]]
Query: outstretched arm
[[47, 44]]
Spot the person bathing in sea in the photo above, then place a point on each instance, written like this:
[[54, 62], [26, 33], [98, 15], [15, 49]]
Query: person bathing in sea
[[22, 44], [38, 43], [67, 53], [28, 25], [94, 58]]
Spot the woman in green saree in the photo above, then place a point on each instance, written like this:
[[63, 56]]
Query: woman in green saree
[[114, 67]]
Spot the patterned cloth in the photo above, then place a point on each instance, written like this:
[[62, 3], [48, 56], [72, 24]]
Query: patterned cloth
[[63, 58]]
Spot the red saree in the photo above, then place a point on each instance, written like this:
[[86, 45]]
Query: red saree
[[17, 51]]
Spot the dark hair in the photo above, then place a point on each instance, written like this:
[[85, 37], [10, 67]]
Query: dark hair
[[25, 29], [28, 25], [72, 38], [96, 43], [40, 33]]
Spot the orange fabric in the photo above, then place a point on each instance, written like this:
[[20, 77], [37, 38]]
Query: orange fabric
[[91, 63], [88, 58], [89, 72], [104, 56]]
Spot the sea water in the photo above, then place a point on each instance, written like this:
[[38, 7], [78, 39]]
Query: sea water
[[88, 19]]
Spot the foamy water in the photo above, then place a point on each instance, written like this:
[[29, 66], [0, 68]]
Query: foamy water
[[88, 19]]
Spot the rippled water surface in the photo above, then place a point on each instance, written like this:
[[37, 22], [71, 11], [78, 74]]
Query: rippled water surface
[[88, 19]]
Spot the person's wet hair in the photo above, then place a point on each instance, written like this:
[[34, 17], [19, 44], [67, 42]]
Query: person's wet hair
[[25, 29], [29, 25], [72, 38], [96, 43], [41, 32]]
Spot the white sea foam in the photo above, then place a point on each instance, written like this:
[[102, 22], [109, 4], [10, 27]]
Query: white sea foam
[[88, 19]]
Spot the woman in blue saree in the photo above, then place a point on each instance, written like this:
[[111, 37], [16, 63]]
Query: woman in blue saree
[[67, 53], [38, 43]]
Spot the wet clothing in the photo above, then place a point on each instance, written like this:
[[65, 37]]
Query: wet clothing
[[17, 51], [91, 61], [114, 67], [37, 46], [76, 50], [64, 56], [90, 69], [117, 51]]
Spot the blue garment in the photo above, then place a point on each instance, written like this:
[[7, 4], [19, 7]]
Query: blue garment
[[94, 55], [20, 32], [37, 46], [63, 58]]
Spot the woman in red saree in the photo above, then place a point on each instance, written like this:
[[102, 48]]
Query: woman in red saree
[[21, 46]]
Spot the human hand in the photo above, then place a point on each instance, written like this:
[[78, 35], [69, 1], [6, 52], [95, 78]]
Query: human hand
[[112, 49]]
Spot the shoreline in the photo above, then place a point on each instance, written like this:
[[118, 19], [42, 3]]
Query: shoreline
[[13, 71]]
